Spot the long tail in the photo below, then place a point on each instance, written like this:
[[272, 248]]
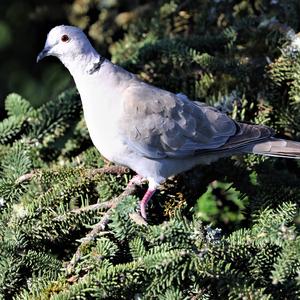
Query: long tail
[[276, 147]]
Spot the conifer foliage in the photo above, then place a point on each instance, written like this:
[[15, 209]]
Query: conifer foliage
[[69, 230]]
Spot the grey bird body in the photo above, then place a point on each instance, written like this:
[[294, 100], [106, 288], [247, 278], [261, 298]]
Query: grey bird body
[[154, 132]]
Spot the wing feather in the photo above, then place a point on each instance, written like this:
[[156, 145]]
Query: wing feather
[[160, 124]]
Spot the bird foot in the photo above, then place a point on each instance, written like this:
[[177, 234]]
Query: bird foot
[[136, 180]]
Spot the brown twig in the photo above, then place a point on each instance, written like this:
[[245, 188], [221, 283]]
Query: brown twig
[[77, 211], [110, 205], [100, 226], [26, 177], [115, 170]]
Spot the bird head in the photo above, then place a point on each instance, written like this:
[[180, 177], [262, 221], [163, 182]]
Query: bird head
[[66, 43]]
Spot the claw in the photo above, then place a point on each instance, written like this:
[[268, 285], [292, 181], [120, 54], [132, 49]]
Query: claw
[[136, 180]]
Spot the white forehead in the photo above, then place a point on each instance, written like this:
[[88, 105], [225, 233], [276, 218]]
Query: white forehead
[[56, 33]]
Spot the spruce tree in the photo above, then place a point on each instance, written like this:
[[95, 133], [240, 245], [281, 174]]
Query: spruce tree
[[69, 227]]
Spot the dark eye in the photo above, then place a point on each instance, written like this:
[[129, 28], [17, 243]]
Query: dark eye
[[65, 38]]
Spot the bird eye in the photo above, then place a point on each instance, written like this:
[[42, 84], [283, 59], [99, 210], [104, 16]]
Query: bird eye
[[65, 38]]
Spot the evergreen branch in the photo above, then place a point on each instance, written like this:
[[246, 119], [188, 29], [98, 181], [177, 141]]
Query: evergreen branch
[[17, 106], [12, 129], [113, 170], [222, 53], [181, 6], [100, 226], [26, 177], [136, 217], [283, 28], [81, 210]]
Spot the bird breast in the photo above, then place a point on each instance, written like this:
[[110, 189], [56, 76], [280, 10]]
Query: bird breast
[[102, 114]]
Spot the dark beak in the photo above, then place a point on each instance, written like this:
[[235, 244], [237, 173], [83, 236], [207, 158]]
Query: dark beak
[[43, 53]]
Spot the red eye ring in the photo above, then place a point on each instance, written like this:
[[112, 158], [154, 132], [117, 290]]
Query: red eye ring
[[65, 38]]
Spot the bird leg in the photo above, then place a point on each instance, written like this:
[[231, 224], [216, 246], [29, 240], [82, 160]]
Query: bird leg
[[138, 180], [143, 204]]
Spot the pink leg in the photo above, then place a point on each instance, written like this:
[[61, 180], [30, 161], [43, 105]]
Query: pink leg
[[145, 200]]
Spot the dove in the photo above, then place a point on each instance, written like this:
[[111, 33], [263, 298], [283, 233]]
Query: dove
[[154, 132]]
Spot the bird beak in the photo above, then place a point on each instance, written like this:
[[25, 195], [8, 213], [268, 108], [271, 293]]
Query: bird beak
[[43, 53]]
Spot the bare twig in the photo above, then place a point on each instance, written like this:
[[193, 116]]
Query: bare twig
[[115, 170], [138, 219], [26, 177], [100, 226], [110, 205], [77, 211]]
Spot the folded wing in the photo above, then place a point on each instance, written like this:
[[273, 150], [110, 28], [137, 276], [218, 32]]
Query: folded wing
[[159, 124]]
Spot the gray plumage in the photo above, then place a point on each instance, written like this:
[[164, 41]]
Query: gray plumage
[[154, 132]]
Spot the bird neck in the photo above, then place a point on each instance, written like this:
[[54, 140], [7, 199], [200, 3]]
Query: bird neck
[[84, 63], [96, 66]]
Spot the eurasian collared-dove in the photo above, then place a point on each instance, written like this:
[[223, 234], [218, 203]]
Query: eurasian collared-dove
[[152, 131]]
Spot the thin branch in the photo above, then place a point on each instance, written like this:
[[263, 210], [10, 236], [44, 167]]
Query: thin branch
[[138, 219], [26, 177], [115, 170], [77, 211], [99, 227]]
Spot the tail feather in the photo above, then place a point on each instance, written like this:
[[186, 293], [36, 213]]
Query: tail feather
[[276, 147]]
